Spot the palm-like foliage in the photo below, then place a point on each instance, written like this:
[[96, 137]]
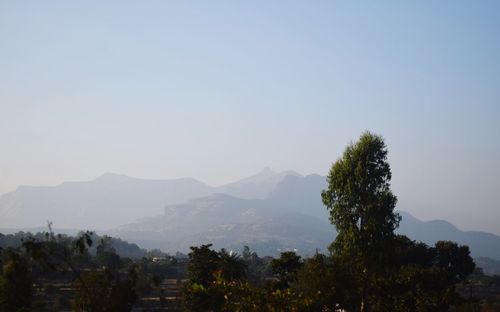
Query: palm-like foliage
[[232, 266]]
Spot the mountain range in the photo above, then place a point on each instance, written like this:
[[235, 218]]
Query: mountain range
[[112, 199], [270, 212]]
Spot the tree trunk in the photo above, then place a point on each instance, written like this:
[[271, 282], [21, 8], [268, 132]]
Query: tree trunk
[[364, 305]]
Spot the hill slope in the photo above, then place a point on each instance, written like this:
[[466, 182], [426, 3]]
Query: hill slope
[[112, 200], [276, 211], [292, 217]]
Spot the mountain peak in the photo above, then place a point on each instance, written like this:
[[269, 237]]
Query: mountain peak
[[112, 176], [266, 171]]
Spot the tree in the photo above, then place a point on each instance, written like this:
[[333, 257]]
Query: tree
[[101, 291], [203, 262], [318, 284], [199, 293], [361, 206], [92, 291], [106, 255], [95, 290], [232, 267], [385, 272], [16, 285], [57, 251], [286, 268], [454, 259]]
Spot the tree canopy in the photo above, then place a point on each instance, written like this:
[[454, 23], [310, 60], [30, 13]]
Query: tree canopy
[[361, 206]]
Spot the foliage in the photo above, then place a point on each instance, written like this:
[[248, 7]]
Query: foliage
[[318, 284], [361, 206], [203, 262], [106, 255], [96, 290], [57, 251], [207, 269], [454, 259], [258, 269], [360, 201], [231, 266], [16, 284], [122, 248], [383, 271], [101, 291], [286, 268]]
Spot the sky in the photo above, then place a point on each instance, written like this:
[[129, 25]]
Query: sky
[[217, 90]]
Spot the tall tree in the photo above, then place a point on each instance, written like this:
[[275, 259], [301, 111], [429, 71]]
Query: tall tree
[[361, 206]]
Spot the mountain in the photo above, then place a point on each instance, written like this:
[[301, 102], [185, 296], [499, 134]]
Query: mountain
[[292, 217], [230, 222], [269, 212], [481, 244], [112, 200], [489, 266], [105, 202], [300, 194], [260, 185]]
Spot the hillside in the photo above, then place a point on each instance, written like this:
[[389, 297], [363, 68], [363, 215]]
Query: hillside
[[292, 217], [112, 200], [269, 212]]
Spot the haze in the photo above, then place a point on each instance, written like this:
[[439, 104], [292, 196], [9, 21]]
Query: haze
[[218, 90]]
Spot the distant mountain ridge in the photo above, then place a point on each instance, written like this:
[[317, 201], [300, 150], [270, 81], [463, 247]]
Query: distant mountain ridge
[[114, 199], [269, 212], [292, 217], [482, 244], [231, 222], [105, 202], [260, 185]]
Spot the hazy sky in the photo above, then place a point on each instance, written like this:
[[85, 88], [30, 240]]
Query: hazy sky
[[217, 90]]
